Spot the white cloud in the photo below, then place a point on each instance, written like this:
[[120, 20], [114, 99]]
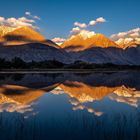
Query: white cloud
[[32, 16], [58, 40], [15, 107], [131, 33], [36, 17], [75, 30], [86, 33], [24, 19], [81, 25], [82, 29], [27, 13], [91, 23], [101, 20], [2, 19], [124, 40], [98, 20], [17, 22], [83, 32], [77, 105], [126, 37]]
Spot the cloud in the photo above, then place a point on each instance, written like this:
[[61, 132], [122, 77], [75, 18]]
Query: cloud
[[24, 19], [127, 37], [84, 33], [131, 33], [2, 19], [98, 20], [58, 40], [18, 22], [36, 17], [15, 107], [32, 16], [77, 105], [75, 30], [82, 29], [81, 25], [124, 40], [91, 23], [27, 13]]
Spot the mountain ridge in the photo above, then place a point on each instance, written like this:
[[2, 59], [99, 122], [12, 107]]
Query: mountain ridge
[[29, 45], [22, 35], [97, 40]]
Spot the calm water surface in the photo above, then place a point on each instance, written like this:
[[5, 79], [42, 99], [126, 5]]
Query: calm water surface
[[99, 106]]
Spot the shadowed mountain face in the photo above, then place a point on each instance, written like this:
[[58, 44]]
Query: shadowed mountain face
[[113, 55], [99, 49], [22, 35], [29, 45], [96, 55], [26, 32], [34, 52]]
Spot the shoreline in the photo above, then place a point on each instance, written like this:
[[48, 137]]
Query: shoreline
[[20, 71]]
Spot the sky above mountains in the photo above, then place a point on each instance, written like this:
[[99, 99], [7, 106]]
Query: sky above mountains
[[61, 18]]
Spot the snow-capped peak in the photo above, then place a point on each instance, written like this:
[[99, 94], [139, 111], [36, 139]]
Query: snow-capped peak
[[84, 34]]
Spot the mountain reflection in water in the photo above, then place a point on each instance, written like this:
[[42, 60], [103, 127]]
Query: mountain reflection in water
[[70, 106]]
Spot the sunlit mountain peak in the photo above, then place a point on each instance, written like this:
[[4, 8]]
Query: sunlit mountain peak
[[86, 40], [5, 29]]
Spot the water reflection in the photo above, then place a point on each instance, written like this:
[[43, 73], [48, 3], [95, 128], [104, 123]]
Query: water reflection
[[63, 106]]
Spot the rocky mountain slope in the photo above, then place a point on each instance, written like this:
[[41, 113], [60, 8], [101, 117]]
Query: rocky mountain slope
[[22, 35], [101, 50], [34, 52], [82, 42], [118, 56], [29, 45]]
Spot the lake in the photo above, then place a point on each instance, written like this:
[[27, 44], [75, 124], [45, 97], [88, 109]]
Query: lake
[[70, 106]]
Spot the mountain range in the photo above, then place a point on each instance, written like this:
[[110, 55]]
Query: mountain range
[[30, 45], [17, 95]]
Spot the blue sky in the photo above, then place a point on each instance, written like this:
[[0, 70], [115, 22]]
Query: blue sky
[[58, 16]]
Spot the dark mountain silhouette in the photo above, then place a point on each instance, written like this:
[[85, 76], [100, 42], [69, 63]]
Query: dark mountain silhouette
[[118, 56], [33, 52]]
